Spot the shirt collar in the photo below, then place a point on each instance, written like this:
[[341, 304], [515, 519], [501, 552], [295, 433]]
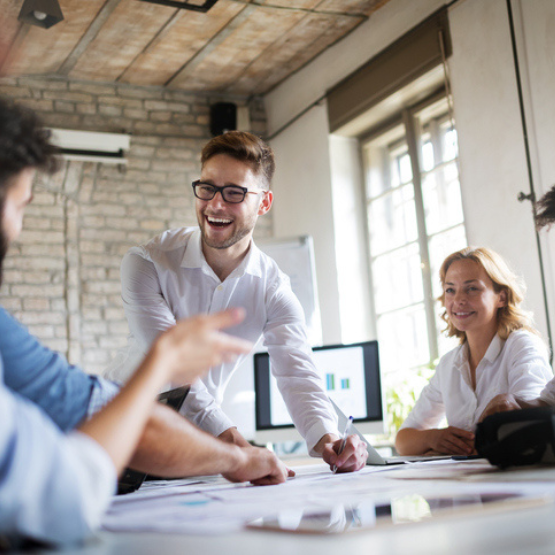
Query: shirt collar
[[461, 358], [491, 354], [494, 348], [193, 257]]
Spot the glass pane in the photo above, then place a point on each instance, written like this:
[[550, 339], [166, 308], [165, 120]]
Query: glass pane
[[405, 168], [397, 279], [442, 198], [403, 339], [440, 247], [392, 220], [450, 144], [427, 156]]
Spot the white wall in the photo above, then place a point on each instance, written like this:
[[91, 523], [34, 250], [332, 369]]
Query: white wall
[[355, 304], [536, 43], [491, 141], [493, 164], [308, 85], [303, 204], [304, 183]]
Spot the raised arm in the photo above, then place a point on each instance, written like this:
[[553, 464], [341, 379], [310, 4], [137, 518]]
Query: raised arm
[[182, 353], [55, 488], [169, 445]]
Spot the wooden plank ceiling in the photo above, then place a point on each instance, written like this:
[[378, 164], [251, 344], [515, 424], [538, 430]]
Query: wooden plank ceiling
[[238, 47]]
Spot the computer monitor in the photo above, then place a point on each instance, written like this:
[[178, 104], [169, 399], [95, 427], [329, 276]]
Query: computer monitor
[[351, 378]]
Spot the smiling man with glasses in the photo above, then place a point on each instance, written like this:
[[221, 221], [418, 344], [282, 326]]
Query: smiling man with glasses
[[216, 265]]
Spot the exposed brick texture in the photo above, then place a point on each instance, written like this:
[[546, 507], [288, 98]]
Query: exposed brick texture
[[62, 276]]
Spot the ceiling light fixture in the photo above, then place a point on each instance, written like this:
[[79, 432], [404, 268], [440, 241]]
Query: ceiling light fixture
[[185, 4], [43, 13]]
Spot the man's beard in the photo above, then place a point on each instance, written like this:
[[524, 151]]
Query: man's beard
[[239, 234], [3, 251], [229, 242]]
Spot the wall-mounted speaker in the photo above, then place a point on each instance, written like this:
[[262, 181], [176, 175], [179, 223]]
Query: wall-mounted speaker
[[223, 117]]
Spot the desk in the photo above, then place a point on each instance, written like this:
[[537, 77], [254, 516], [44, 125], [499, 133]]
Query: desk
[[530, 531]]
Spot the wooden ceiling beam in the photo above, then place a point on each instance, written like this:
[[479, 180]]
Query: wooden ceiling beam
[[211, 45], [91, 33]]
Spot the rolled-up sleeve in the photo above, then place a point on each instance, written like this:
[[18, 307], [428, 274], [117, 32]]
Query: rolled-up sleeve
[[202, 409], [103, 392], [530, 370], [53, 488], [429, 410], [298, 380], [548, 393]]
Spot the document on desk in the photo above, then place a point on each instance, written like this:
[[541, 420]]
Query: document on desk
[[213, 505]]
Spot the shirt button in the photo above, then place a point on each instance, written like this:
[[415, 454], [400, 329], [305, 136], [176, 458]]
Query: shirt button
[[219, 288]]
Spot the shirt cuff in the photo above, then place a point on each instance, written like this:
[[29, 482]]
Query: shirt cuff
[[317, 432], [214, 422], [103, 392], [548, 394], [97, 476]]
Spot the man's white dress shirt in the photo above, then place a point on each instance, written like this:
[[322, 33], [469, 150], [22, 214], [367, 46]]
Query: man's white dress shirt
[[519, 365], [168, 279]]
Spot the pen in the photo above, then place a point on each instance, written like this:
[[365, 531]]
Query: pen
[[342, 446]]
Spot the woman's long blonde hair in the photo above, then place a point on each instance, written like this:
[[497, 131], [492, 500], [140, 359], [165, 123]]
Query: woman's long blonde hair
[[510, 317]]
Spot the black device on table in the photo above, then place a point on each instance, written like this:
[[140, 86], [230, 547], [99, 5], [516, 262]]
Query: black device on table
[[131, 480]]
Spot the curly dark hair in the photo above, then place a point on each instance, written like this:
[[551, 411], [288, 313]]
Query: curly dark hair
[[545, 209], [24, 144]]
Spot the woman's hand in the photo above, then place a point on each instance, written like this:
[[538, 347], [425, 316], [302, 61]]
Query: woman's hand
[[193, 346]]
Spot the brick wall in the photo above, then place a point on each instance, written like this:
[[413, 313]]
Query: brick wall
[[62, 277]]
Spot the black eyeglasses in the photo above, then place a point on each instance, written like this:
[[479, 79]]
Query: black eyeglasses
[[230, 193]]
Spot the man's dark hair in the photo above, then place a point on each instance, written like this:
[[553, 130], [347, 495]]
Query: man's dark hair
[[545, 209], [24, 144], [245, 147]]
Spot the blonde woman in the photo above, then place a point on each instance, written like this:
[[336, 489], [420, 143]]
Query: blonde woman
[[500, 352]]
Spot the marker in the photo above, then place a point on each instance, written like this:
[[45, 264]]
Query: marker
[[342, 446]]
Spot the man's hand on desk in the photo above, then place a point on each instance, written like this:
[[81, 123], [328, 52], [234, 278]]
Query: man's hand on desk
[[352, 458], [258, 466]]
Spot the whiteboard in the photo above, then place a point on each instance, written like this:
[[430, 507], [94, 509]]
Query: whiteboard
[[295, 257]]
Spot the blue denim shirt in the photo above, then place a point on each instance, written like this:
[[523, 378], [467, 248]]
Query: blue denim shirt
[[63, 391], [48, 481]]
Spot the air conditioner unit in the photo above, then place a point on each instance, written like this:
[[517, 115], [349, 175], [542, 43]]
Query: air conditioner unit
[[88, 146]]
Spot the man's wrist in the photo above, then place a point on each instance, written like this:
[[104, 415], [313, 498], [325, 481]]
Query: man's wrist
[[235, 457], [325, 439], [233, 436]]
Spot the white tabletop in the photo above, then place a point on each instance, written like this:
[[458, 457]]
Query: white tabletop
[[529, 530]]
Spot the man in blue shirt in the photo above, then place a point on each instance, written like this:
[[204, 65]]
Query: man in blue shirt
[[54, 487]]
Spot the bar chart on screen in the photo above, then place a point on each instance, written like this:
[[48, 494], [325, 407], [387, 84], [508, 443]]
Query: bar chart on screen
[[344, 378]]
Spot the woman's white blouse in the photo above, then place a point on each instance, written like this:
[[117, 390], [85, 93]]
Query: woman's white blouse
[[518, 365]]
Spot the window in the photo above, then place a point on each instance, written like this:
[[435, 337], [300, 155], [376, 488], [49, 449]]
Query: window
[[415, 219]]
